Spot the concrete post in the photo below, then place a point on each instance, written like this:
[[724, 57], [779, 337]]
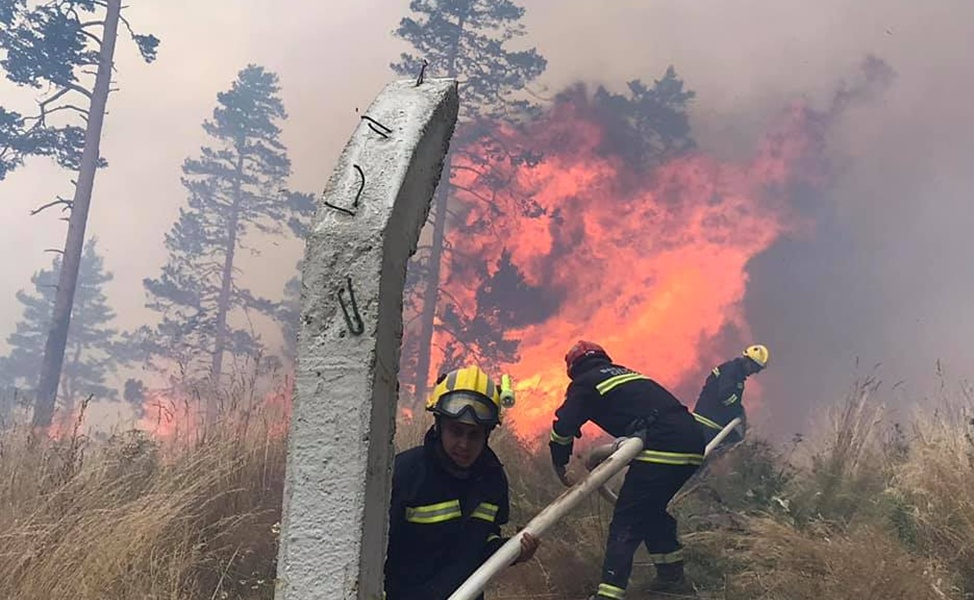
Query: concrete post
[[340, 446]]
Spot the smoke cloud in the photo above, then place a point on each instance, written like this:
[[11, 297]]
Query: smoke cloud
[[884, 277]]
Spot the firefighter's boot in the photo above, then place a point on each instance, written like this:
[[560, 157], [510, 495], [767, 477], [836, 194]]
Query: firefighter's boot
[[670, 580]]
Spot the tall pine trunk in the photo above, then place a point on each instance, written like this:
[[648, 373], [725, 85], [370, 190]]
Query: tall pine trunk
[[431, 294], [223, 302], [57, 337], [68, 390]]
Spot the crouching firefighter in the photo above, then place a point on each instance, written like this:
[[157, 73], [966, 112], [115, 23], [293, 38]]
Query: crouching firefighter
[[449, 495], [722, 396], [623, 402]]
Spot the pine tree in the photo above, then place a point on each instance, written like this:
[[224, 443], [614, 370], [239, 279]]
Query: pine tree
[[53, 46], [504, 301], [90, 356], [466, 39], [650, 125], [289, 312], [235, 189]]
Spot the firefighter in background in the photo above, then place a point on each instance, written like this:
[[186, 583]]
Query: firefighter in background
[[449, 495], [623, 402], [720, 400]]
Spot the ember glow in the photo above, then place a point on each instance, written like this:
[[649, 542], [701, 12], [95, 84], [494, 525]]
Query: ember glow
[[651, 265]]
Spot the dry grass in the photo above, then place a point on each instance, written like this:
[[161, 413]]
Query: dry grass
[[863, 509], [774, 561], [133, 518], [937, 484]]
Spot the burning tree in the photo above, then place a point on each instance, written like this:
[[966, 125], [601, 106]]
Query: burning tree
[[650, 125], [235, 190], [644, 129], [54, 45], [91, 344], [466, 39], [503, 301]]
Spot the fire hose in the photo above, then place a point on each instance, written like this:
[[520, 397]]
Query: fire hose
[[600, 453], [624, 450]]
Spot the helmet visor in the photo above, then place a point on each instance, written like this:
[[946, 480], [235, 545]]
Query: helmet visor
[[468, 407]]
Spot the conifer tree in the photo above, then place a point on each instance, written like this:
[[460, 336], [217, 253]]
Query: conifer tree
[[235, 190], [90, 356], [468, 40]]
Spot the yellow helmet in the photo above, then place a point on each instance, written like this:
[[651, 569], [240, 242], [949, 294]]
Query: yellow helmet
[[759, 354], [468, 395]]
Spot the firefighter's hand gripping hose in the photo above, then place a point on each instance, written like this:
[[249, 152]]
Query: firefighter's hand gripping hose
[[624, 451]]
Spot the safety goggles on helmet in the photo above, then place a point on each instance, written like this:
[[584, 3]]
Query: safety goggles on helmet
[[467, 407]]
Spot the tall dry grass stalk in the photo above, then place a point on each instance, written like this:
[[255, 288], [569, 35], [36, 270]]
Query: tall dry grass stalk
[[771, 560], [846, 461], [135, 518], [870, 512], [937, 484]]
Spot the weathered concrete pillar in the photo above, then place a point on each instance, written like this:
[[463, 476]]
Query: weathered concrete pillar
[[340, 449]]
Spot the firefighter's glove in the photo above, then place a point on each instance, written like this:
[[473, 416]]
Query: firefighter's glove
[[640, 427], [560, 454]]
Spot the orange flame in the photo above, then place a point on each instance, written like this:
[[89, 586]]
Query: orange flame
[[652, 266]]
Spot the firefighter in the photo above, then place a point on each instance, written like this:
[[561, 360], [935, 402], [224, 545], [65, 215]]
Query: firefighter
[[450, 494], [623, 402], [721, 399]]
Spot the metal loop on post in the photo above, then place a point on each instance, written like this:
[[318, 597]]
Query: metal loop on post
[[377, 126], [422, 72], [358, 195], [353, 320]]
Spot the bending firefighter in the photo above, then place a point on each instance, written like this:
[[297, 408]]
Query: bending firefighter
[[449, 495], [721, 399], [623, 402]]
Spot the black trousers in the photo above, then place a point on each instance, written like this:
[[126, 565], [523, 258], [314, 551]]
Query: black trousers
[[640, 517]]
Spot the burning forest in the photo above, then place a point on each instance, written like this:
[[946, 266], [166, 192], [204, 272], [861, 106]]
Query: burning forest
[[559, 232], [675, 202]]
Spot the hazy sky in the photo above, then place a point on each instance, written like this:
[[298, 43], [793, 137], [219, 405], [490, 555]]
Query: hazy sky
[[896, 230]]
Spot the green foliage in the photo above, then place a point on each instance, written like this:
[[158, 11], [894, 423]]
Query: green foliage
[[503, 301], [469, 39], [19, 141], [92, 353], [650, 125], [289, 310], [235, 190], [51, 46]]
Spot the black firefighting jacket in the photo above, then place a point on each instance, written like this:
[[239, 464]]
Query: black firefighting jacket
[[720, 399], [614, 397], [441, 527]]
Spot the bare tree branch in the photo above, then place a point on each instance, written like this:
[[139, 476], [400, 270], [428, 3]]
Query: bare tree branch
[[82, 111], [126, 23], [477, 172], [91, 36], [474, 193], [43, 104], [77, 88], [67, 205]]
